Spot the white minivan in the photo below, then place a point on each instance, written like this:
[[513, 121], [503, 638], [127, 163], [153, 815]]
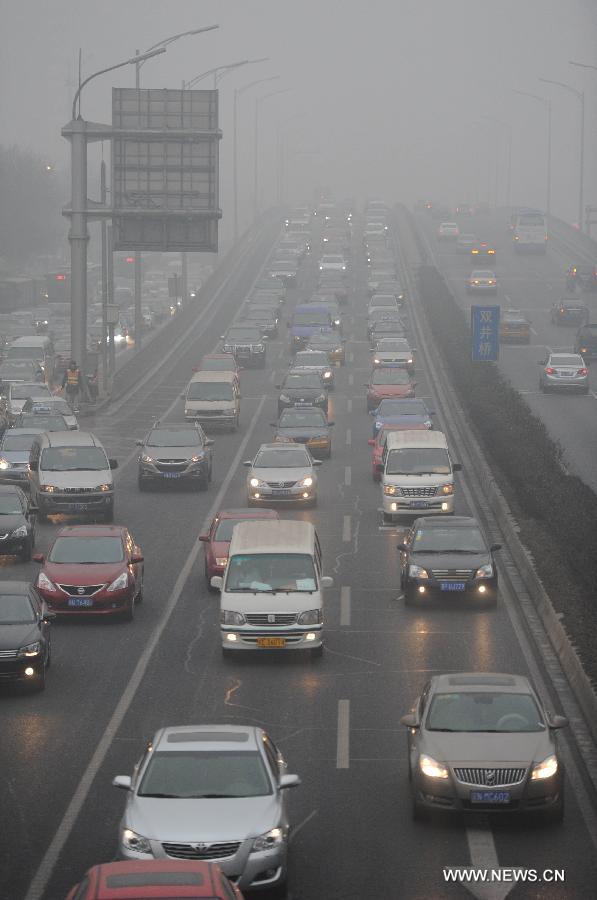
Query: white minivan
[[418, 475], [272, 587]]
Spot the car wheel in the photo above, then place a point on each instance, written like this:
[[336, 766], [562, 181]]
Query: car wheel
[[26, 551], [49, 656], [409, 597], [139, 597], [316, 652], [388, 518], [109, 515], [141, 484], [419, 813], [212, 590], [128, 613]]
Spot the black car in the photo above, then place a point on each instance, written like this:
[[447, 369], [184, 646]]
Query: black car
[[302, 389], [582, 276], [585, 342], [175, 452], [385, 329], [308, 425], [567, 313], [17, 522], [247, 344], [265, 319], [24, 635], [442, 557]]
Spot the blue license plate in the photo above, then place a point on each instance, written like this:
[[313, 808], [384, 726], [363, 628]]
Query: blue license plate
[[418, 504], [77, 507], [490, 796], [171, 474], [452, 585], [279, 491], [80, 601]]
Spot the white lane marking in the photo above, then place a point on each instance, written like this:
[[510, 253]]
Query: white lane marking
[[345, 606], [349, 405], [349, 356], [294, 831], [593, 394], [43, 874], [347, 476], [346, 529], [536, 333], [351, 378], [484, 856], [343, 739], [349, 434]]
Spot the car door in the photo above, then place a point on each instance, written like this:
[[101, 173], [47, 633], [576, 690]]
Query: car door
[[405, 550], [43, 622], [277, 766], [131, 549], [414, 734]]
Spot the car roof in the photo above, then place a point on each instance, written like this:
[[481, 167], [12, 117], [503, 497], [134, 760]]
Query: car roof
[[91, 531], [247, 514], [140, 879], [481, 681], [286, 536], [71, 438], [218, 377], [444, 522], [207, 737], [419, 438], [183, 426]]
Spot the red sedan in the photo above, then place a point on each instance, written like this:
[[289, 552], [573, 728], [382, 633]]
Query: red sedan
[[388, 382], [379, 442], [218, 537], [155, 878], [92, 569]]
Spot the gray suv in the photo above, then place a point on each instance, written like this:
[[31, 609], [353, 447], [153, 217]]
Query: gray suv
[[175, 452], [247, 344]]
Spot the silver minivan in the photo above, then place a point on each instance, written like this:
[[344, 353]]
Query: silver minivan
[[69, 472], [418, 474]]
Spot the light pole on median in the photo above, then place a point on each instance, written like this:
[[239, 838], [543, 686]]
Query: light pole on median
[[258, 103], [508, 128], [220, 72], [547, 103], [238, 92], [76, 132], [137, 264], [580, 96]]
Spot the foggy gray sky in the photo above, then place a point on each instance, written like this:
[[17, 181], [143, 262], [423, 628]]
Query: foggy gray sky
[[387, 97]]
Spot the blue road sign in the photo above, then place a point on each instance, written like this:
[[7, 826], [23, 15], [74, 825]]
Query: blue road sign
[[485, 333]]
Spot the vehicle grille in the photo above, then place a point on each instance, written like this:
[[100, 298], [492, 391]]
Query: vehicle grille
[[8, 654], [490, 777], [171, 465], [455, 574], [430, 491], [201, 851], [242, 348], [202, 413], [76, 490], [280, 484], [84, 590], [271, 618], [4, 535]]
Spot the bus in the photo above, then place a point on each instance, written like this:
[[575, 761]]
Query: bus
[[529, 231]]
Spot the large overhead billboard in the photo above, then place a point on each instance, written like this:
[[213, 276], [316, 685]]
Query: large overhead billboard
[[165, 170]]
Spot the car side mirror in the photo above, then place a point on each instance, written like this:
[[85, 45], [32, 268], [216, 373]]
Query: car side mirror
[[247, 462], [137, 558], [317, 462], [410, 721], [33, 466], [38, 558], [183, 395], [274, 424], [113, 463], [48, 616], [288, 781], [495, 547], [209, 442], [33, 508], [139, 443], [204, 538], [124, 782], [216, 582], [541, 362], [330, 424], [457, 467], [558, 722], [278, 387], [326, 581], [222, 337]]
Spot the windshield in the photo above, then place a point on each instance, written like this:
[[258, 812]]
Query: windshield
[[96, 549], [243, 334], [390, 376], [73, 459], [23, 391], [15, 442], [484, 711], [10, 505], [25, 353], [418, 461], [531, 220], [173, 437], [45, 423], [303, 358], [306, 380], [271, 572], [383, 300], [400, 345], [463, 539], [311, 318], [566, 361], [16, 609], [282, 459], [295, 418], [323, 341], [189, 774], [210, 390], [400, 408]]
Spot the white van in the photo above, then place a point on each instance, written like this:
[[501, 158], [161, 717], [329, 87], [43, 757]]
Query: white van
[[272, 587], [37, 348], [69, 472], [213, 398], [418, 475]]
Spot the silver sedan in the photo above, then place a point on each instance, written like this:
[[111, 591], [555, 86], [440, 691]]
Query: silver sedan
[[564, 371], [282, 473], [210, 792]]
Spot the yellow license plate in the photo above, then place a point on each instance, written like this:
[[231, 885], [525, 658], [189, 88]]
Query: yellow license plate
[[271, 642]]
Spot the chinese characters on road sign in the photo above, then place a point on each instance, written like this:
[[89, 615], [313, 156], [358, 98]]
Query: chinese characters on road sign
[[485, 332]]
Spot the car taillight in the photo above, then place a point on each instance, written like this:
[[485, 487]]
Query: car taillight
[[550, 371], [583, 372], [583, 349]]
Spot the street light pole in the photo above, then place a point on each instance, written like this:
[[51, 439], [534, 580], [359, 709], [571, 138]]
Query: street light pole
[[508, 128], [580, 96], [547, 103], [238, 92], [258, 103]]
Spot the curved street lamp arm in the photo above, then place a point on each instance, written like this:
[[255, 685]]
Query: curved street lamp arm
[[127, 62]]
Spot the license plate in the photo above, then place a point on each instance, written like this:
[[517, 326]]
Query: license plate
[[279, 491], [80, 601], [302, 403], [490, 796], [171, 474], [418, 504], [271, 642], [452, 585], [77, 507]]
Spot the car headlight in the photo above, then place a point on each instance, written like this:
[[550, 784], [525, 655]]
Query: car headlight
[[21, 531], [336, 321], [268, 840], [325, 375], [33, 649], [227, 348], [284, 397], [104, 488], [417, 572], [231, 617], [296, 337], [146, 459], [136, 842], [447, 488], [376, 361], [310, 617], [485, 571], [306, 482], [228, 412], [320, 398], [48, 488], [431, 768], [255, 482], [390, 489], [545, 769], [44, 583], [197, 457], [4, 464], [221, 560], [120, 583]]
